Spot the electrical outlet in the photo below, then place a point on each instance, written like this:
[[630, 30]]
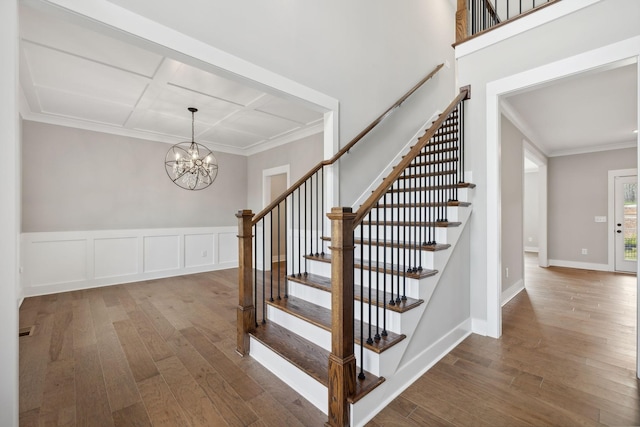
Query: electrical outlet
[[585, 251], [506, 272], [530, 239]]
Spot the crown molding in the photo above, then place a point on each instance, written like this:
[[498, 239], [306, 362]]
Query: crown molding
[[594, 149]]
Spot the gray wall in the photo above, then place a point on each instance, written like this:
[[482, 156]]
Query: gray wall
[[512, 210], [531, 209], [76, 179], [300, 155], [577, 193]]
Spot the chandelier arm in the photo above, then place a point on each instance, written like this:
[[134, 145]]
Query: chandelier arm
[[181, 175]]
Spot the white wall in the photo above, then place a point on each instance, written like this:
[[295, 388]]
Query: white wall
[[505, 66], [76, 179], [9, 213]]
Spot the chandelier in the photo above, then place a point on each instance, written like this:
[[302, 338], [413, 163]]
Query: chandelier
[[190, 165]]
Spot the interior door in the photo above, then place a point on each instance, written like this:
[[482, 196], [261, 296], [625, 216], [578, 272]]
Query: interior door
[[626, 218]]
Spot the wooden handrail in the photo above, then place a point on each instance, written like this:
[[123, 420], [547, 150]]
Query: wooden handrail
[[370, 203], [492, 11], [344, 149]]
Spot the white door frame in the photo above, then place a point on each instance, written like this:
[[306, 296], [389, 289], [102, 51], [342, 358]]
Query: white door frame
[[627, 50], [611, 241], [540, 160]]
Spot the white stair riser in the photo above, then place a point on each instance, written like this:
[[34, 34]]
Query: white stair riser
[[295, 378], [410, 214], [398, 255], [321, 337], [410, 196], [402, 233]]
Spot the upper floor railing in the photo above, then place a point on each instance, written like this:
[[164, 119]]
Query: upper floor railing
[[474, 17]]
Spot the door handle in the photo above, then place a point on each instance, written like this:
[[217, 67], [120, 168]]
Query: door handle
[[618, 231]]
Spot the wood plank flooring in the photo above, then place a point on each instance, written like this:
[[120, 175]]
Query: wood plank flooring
[[162, 353], [155, 353], [566, 358]]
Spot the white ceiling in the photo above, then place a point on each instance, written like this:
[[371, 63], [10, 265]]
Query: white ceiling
[[591, 111], [73, 76]]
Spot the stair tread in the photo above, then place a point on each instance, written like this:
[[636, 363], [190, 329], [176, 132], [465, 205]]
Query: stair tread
[[433, 187], [396, 244], [321, 317], [310, 358], [324, 283], [390, 269], [452, 203], [415, 223]]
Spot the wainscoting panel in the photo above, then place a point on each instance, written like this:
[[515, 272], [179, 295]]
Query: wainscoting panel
[[66, 261], [161, 253], [115, 257]]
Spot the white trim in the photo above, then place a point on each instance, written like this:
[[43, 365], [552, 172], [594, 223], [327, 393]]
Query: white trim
[[611, 187], [522, 25], [513, 290], [107, 257], [531, 249], [593, 149], [532, 153], [266, 182], [517, 120], [606, 55], [167, 139], [479, 326], [579, 265]]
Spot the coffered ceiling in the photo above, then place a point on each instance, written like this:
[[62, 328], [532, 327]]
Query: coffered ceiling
[[73, 76]]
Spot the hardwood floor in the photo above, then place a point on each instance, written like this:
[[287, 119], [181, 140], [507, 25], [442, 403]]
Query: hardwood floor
[[566, 358], [158, 353], [162, 353]]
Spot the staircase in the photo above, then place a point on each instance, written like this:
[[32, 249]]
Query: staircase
[[341, 320]]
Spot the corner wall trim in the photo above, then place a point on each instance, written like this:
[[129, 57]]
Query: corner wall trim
[[579, 265]]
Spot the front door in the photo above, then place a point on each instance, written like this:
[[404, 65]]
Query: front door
[[626, 230]]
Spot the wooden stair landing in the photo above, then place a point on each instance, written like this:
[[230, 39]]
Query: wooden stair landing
[[397, 270], [308, 357], [321, 317], [324, 284]]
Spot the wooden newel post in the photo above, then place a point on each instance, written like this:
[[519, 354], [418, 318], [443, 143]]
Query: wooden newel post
[[246, 311], [342, 362], [461, 21]]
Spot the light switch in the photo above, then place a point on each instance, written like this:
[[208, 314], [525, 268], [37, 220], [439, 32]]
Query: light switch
[[601, 219]]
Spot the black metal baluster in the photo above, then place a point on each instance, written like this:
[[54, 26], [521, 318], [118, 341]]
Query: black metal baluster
[[255, 271], [311, 216], [318, 214], [369, 339], [286, 247], [392, 204], [361, 374], [270, 259], [322, 210], [264, 266], [404, 232], [279, 231], [299, 255], [378, 244], [306, 261], [384, 266]]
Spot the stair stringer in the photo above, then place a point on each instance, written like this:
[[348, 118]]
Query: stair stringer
[[449, 308], [411, 320]]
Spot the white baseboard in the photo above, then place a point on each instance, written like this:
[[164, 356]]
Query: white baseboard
[[66, 261], [579, 265], [531, 249], [479, 326], [512, 291]]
